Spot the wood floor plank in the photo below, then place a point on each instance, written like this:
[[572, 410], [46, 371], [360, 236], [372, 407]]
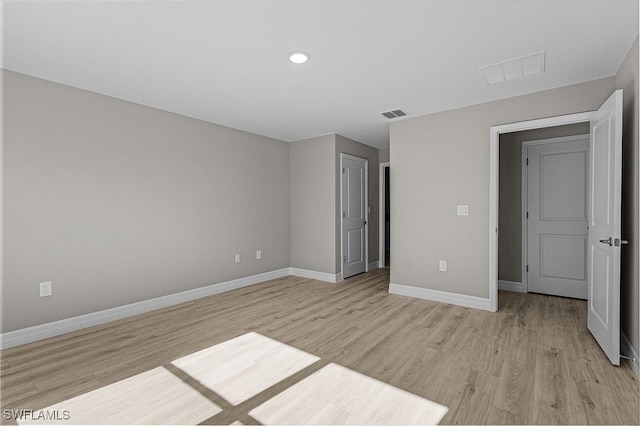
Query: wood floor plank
[[531, 362], [555, 394], [473, 403], [19, 392], [501, 417], [515, 386], [488, 354], [601, 405]]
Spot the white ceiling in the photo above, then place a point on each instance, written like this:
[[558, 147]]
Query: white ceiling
[[226, 61]]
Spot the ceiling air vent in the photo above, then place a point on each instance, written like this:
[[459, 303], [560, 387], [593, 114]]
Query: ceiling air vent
[[515, 68], [394, 114]]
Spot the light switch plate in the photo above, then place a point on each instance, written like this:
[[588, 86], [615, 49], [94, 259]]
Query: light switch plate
[[463, 210], [46, 289]]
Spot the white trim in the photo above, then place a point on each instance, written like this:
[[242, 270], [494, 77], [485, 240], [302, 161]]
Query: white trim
[[494, 163], [441, 296], [382, 230], [626, 349], [2, 160], [56, 328], [366, 211], [511, 286], [525, 197], [366, 215], [315, 275], [524, 203]]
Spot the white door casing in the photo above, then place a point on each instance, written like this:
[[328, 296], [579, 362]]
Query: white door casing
[[604, 242], [382, 242], [354, 214], [494, 162], [556, 217]]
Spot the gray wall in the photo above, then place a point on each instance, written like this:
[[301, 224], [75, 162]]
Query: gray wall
[[383, 155], [312, 172], [441, 160], [116, 202], [315, 201], [510, 196], [351, 147], [627, 79]]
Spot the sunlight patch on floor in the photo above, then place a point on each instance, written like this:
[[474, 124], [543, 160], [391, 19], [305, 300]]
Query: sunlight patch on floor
[[245, 366], [153, 397], [335, 395], [236, 371]]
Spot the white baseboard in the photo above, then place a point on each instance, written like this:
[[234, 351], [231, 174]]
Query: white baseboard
[[68, 325], [441, 296], [627, 350], [511, 286], [56, 328], [315, 275], [373, 265]]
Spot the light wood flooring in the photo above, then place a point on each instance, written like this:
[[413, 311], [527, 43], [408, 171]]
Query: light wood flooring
[[532, 362]]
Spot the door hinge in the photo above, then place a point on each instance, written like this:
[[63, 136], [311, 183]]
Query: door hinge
[[527, 268], [527, 161], [527, 215], [343, 170], [344, 259], [344, 215]]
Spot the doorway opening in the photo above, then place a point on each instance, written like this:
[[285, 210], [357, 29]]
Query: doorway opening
[[494, 164], [604, 212], [542, 210], [385, 217]]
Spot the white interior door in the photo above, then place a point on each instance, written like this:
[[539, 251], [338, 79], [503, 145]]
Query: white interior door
[[604, 239], [557, 217], [354, 215]]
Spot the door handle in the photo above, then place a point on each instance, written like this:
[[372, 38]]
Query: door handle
[[618, 241], [609, 241]]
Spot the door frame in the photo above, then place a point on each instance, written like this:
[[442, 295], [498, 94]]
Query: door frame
[[366, 211], [494, 166], [525, 200], [382, 214]]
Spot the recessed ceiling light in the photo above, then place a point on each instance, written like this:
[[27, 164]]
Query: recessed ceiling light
[[298, 57]]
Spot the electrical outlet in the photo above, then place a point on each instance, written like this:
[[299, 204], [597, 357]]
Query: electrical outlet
[[442, 266], [237, 258], [46, 289], [258, 254]]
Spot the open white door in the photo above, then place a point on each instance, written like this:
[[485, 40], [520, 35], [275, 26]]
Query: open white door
[[604, 239]]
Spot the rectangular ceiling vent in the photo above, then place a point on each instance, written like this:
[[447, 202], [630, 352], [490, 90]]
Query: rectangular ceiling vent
[[515, 68], [394, 114]]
